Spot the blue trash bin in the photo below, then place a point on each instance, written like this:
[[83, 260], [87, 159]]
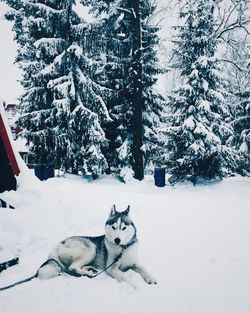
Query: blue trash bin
[[48, 171], [39, 171], [159, 176]]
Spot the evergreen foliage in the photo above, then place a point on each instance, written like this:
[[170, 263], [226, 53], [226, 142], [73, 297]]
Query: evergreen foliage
[[79, 79], [198, 131], [242, 129], [238, 74], [62, 110], [115, 21], [113, 37], [154, 103]]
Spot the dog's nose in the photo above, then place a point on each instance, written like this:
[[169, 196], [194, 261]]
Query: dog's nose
[[117, 240]]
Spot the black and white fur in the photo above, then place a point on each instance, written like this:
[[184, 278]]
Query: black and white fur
[[84, 256]]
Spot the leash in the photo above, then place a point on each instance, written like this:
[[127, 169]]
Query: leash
[[104, 270], [19, 282]]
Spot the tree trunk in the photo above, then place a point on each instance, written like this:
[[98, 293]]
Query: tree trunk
[[137, 97]]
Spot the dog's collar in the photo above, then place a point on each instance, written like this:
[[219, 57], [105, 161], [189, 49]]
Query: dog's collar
[[123, 247], [132, 241]]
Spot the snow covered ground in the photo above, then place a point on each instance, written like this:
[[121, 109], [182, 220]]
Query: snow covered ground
[[194, 240]]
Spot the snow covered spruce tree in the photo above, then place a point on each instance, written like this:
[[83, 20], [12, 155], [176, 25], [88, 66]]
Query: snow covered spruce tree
[[198, 131], [111, 35], [62, 110], [238, 73], [130, 68], [154, 104], [241, 125]]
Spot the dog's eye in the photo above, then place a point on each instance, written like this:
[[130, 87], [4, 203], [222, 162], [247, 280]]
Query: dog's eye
[[124, 228], [113, 227]]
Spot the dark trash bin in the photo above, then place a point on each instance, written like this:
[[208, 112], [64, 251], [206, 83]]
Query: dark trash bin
[[39, 171], [44, 171], [48, 171], [159, 176]]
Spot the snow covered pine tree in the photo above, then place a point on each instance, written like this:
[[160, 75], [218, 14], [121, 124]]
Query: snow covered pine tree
[[130, 68], [198, 131], [62, 110], [111, 35], [238, 73]]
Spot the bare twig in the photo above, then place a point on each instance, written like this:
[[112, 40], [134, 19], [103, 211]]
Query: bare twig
[[234, 64]]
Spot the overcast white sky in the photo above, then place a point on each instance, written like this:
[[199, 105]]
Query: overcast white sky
[[10, 89]]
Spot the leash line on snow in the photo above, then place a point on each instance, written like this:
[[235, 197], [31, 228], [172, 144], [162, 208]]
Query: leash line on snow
[[19, 282]]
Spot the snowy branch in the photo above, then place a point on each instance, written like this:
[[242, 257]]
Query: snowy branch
[[123, 10], [242, 118], [233, 26]]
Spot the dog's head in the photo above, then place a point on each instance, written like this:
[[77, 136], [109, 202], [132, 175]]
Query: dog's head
[[119, 228]]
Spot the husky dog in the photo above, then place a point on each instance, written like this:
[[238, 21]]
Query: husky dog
[[115, 252]]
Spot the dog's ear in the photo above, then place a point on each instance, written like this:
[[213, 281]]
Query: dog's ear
[[127, 210], [113, 210]]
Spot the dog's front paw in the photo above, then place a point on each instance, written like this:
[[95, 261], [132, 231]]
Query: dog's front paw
[[89, 271]]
